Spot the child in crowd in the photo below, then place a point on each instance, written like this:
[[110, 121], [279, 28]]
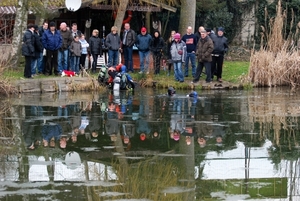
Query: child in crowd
[[75, 50]]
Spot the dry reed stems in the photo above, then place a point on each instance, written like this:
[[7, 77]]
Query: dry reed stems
[[276, 64]]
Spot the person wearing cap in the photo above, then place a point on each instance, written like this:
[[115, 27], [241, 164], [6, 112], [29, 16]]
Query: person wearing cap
[[52, 41], [220, 48], [95, 47], [210, 32], [38, 53], [128, 40], [191, 44], [142, 42], [157, 44], [28, 49], [205, 47], [178, 52], [63, 53], [113, 44]]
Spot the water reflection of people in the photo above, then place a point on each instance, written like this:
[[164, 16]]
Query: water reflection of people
[[112, 123], [201, 141], [31, 132], [51, 132], [142, 128]]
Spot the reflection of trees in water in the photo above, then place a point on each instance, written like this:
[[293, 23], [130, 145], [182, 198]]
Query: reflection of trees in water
[[7, 140], [278, 116]]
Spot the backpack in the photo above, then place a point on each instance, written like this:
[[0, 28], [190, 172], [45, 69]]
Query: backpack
[[123, 81], [103, 75]]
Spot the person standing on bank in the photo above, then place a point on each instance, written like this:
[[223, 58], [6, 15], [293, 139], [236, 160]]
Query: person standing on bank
[[205, 47], [157, 44], [42, 62], [84, 50], [75, 49], [178, 52], [128, 41], [191, 44], [143, 42], [220, 48], [28, 49], [52, 41], [63, 53], [38, 53], [95, 48], [169, 43], [113, 44]]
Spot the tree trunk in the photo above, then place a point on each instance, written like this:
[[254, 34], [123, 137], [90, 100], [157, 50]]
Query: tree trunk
[[19, 27], [187, 15], [121, 14]]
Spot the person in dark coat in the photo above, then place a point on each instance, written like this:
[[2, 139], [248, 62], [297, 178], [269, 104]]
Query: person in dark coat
[[52, 41], [28, 49], [220, 48], [205, 47], [113, 43], [128, 40], [95, 48], [38, 53], [63, 52], [156, 46]]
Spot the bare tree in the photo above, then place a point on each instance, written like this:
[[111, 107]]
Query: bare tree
[[19, 27]]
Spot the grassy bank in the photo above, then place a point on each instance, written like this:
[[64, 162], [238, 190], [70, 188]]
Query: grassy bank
[[232, 72]]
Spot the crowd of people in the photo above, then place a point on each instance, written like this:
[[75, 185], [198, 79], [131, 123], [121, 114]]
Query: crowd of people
[[123, 116], [50, 51]]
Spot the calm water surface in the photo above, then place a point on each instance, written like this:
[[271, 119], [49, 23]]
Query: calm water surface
[[223, 145]]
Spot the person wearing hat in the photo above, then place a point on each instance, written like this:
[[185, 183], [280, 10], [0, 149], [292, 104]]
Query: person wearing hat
[[220, 48], [178, 52], [28, 49], [205, 47], [52, 41], [191, 44], [142, 42]]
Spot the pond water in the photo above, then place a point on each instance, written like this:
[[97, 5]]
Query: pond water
[[222, 145]]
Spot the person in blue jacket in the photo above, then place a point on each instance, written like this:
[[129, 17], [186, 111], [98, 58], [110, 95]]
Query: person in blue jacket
[[143, 43], [52, 41]]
